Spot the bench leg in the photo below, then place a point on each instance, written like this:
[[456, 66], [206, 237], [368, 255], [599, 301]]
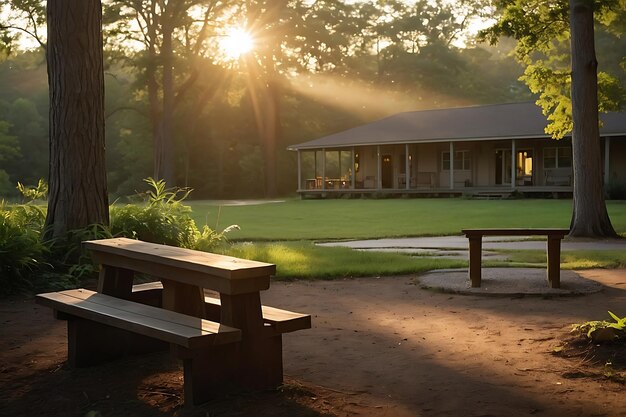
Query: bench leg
[[554, 262], [475, 254]]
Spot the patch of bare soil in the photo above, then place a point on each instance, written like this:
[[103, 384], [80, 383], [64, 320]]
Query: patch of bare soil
[[378, 347]]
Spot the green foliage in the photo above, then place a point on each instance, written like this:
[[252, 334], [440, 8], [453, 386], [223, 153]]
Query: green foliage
[[21, 250], [39, 192], [161, 219], [603, 330], [164, 219], [541, 29]]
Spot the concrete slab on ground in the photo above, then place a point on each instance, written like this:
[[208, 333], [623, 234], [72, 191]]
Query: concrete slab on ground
[[507, 282], [491, 242]]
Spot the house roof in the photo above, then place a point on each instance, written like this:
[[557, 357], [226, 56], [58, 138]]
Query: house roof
[[492, 122]]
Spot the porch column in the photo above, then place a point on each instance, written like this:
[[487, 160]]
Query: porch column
[[607, 157], [513, 165], [299, 170], [379, 171], [353, 179], [407, 176], [452, 165], [323, 168]]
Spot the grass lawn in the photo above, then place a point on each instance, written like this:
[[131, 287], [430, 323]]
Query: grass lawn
[[364, 219], [303, 259], [282, 233]]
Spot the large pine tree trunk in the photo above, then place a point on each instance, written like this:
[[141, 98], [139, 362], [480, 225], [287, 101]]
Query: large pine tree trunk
[[589, 218], [78, 190], [167, 151]]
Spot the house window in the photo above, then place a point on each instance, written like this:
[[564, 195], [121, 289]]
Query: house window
[[462, 161], [557, 157]]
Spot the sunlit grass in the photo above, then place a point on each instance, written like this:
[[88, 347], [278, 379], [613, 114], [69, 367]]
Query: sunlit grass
[[371, 219], [305, 260], [579, 259]]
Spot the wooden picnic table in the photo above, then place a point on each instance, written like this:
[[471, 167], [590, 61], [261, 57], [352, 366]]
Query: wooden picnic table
[[234, 343]]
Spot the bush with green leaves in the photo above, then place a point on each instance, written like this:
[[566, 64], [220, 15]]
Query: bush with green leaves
[[27, 262], [21, 250], [161, 219], [164, 219]]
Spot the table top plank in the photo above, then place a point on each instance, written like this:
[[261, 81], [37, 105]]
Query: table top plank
[[210, 263], [516, 232]]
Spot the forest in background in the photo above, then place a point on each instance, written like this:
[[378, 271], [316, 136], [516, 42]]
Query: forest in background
[[328, 68]]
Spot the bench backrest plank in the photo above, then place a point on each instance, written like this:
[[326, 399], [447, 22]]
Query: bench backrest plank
[[172, 327], [218, 272]]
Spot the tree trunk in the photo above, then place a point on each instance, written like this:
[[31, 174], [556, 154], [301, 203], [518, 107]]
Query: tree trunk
[[589, 218], [271, 135], [78, 189], [167, 151]]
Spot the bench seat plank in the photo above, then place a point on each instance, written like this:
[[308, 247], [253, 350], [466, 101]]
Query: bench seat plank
[[283, 321], [158, 323]]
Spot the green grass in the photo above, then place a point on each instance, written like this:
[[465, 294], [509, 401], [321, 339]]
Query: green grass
[[303, 259], [578, 259], [369, 219]]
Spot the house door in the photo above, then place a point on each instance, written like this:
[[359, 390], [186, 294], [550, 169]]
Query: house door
[[387, 171], [503, 166], [524, 160]]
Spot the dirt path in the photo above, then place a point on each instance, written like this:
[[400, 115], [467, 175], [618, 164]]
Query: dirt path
[[379, 347]]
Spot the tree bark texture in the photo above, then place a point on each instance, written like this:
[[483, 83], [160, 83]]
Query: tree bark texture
[[77, 190], [271, 135], [166, 161], [589, 217]]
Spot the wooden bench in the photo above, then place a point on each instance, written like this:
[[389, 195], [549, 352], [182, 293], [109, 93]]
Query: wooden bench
[[227, 344], [553, 250], [168, 326], [558, 176]]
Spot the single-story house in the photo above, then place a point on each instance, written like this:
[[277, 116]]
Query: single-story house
[[493, 149]]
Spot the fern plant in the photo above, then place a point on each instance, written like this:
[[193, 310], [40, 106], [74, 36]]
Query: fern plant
[[21, 250]]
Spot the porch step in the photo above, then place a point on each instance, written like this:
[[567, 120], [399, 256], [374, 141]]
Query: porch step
[[496, 195]]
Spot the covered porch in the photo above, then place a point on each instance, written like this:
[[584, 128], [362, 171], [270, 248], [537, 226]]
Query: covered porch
[[481, 168]]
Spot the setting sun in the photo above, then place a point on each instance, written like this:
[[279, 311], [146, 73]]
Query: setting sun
[[236, 42]]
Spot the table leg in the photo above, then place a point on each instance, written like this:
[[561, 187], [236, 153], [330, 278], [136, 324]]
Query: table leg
[[260, 356], [475, 254], [117, 282], [183, 298], [554, 261]]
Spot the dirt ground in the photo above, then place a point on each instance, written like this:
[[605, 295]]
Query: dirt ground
[[378, 347]]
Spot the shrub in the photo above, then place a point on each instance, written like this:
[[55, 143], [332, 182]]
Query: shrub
[[28, 263], [164, 219], [161, 219], [616, 191], [21, 250]]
